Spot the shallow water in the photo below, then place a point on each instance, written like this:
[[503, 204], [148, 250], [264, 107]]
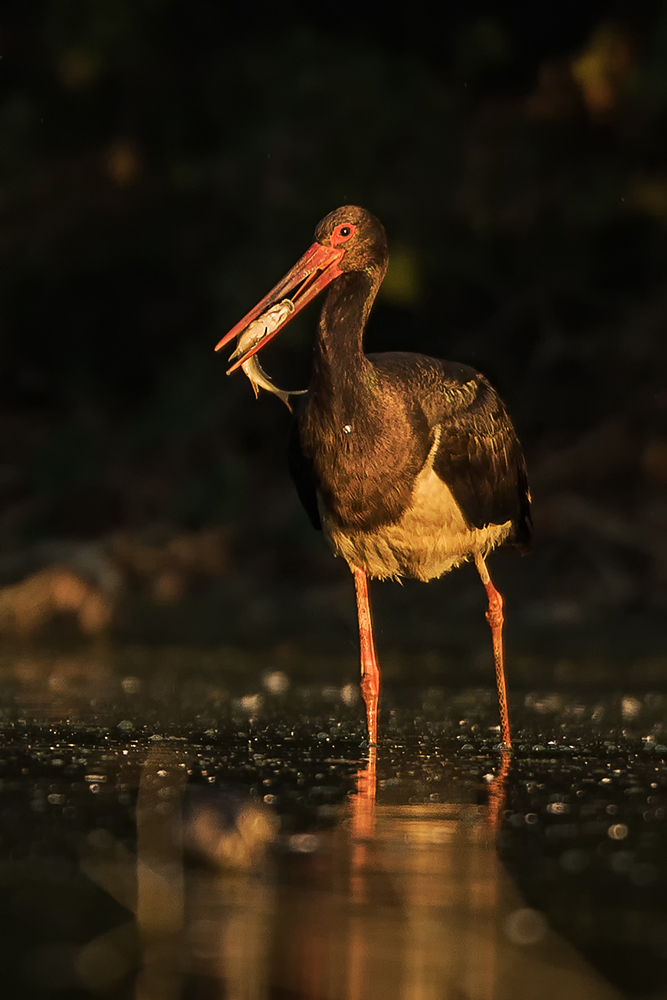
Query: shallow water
[[179, 824]]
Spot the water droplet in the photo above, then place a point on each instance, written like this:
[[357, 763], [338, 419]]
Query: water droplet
[[100, 839], [349, 694], [642, 874], [251, 702], [525, 926], [276, 682], [304, 843], [621, 862], [573, 861], [630, 708]]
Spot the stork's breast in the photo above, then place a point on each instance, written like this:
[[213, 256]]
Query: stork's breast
[[429, 538]]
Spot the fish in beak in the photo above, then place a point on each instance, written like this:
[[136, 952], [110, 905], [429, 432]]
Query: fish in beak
[[252, 337], [312, 273]]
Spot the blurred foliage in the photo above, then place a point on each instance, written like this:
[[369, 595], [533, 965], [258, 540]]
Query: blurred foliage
[[159, 171]]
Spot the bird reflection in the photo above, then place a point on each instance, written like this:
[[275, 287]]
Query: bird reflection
[[401, 898]]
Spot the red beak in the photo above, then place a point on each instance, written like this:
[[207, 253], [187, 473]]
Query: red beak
[[317, 267]]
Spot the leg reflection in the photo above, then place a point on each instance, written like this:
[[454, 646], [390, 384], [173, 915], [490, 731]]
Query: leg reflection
[[363, 825], [498, 793], [362, 830], [363, 803]]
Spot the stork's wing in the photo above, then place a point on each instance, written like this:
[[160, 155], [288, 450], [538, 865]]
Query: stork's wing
[[479, 456], [302, 475], [481, 460]]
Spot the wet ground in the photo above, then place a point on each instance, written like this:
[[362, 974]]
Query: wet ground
[[177, 824]]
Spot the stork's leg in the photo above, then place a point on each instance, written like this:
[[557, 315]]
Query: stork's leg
[[370, 672], [495, 618]]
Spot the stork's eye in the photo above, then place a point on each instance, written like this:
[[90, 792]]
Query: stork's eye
[[342, 233]]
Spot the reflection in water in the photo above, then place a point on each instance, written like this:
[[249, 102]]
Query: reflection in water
[[404, 901], [363, 803], [246, 859], [230, 901], [498, 793]]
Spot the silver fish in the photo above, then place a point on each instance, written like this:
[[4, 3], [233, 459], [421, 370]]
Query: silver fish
[[251, 336], [262, 326]]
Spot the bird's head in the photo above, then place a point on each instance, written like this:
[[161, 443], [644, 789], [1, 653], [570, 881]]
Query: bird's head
[[349, 239], [360, 235]]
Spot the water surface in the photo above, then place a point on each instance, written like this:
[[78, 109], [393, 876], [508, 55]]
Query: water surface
[[186, 825]]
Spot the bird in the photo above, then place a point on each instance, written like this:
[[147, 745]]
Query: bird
[[410, 465]]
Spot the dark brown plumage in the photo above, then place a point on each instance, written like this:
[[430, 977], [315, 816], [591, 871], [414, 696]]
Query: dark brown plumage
[[409, 464]]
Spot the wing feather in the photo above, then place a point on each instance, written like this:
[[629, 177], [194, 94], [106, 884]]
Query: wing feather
[[479, 456], [301, 471], [481, 460]]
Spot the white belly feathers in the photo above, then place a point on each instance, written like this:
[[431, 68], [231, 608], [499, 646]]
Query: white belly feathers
[[430, 538]]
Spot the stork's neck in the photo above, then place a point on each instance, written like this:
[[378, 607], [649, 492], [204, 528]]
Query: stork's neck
[[339, 360]]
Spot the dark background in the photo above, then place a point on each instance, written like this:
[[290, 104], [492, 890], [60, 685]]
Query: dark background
[[162, 164]]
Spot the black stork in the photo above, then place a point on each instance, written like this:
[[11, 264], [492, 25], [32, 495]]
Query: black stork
[[410, 465]]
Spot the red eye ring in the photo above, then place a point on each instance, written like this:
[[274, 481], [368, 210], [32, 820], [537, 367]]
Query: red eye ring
[[342, 234]]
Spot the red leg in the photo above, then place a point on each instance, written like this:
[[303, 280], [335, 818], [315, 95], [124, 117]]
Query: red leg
[[495, 618], [370, 672]]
